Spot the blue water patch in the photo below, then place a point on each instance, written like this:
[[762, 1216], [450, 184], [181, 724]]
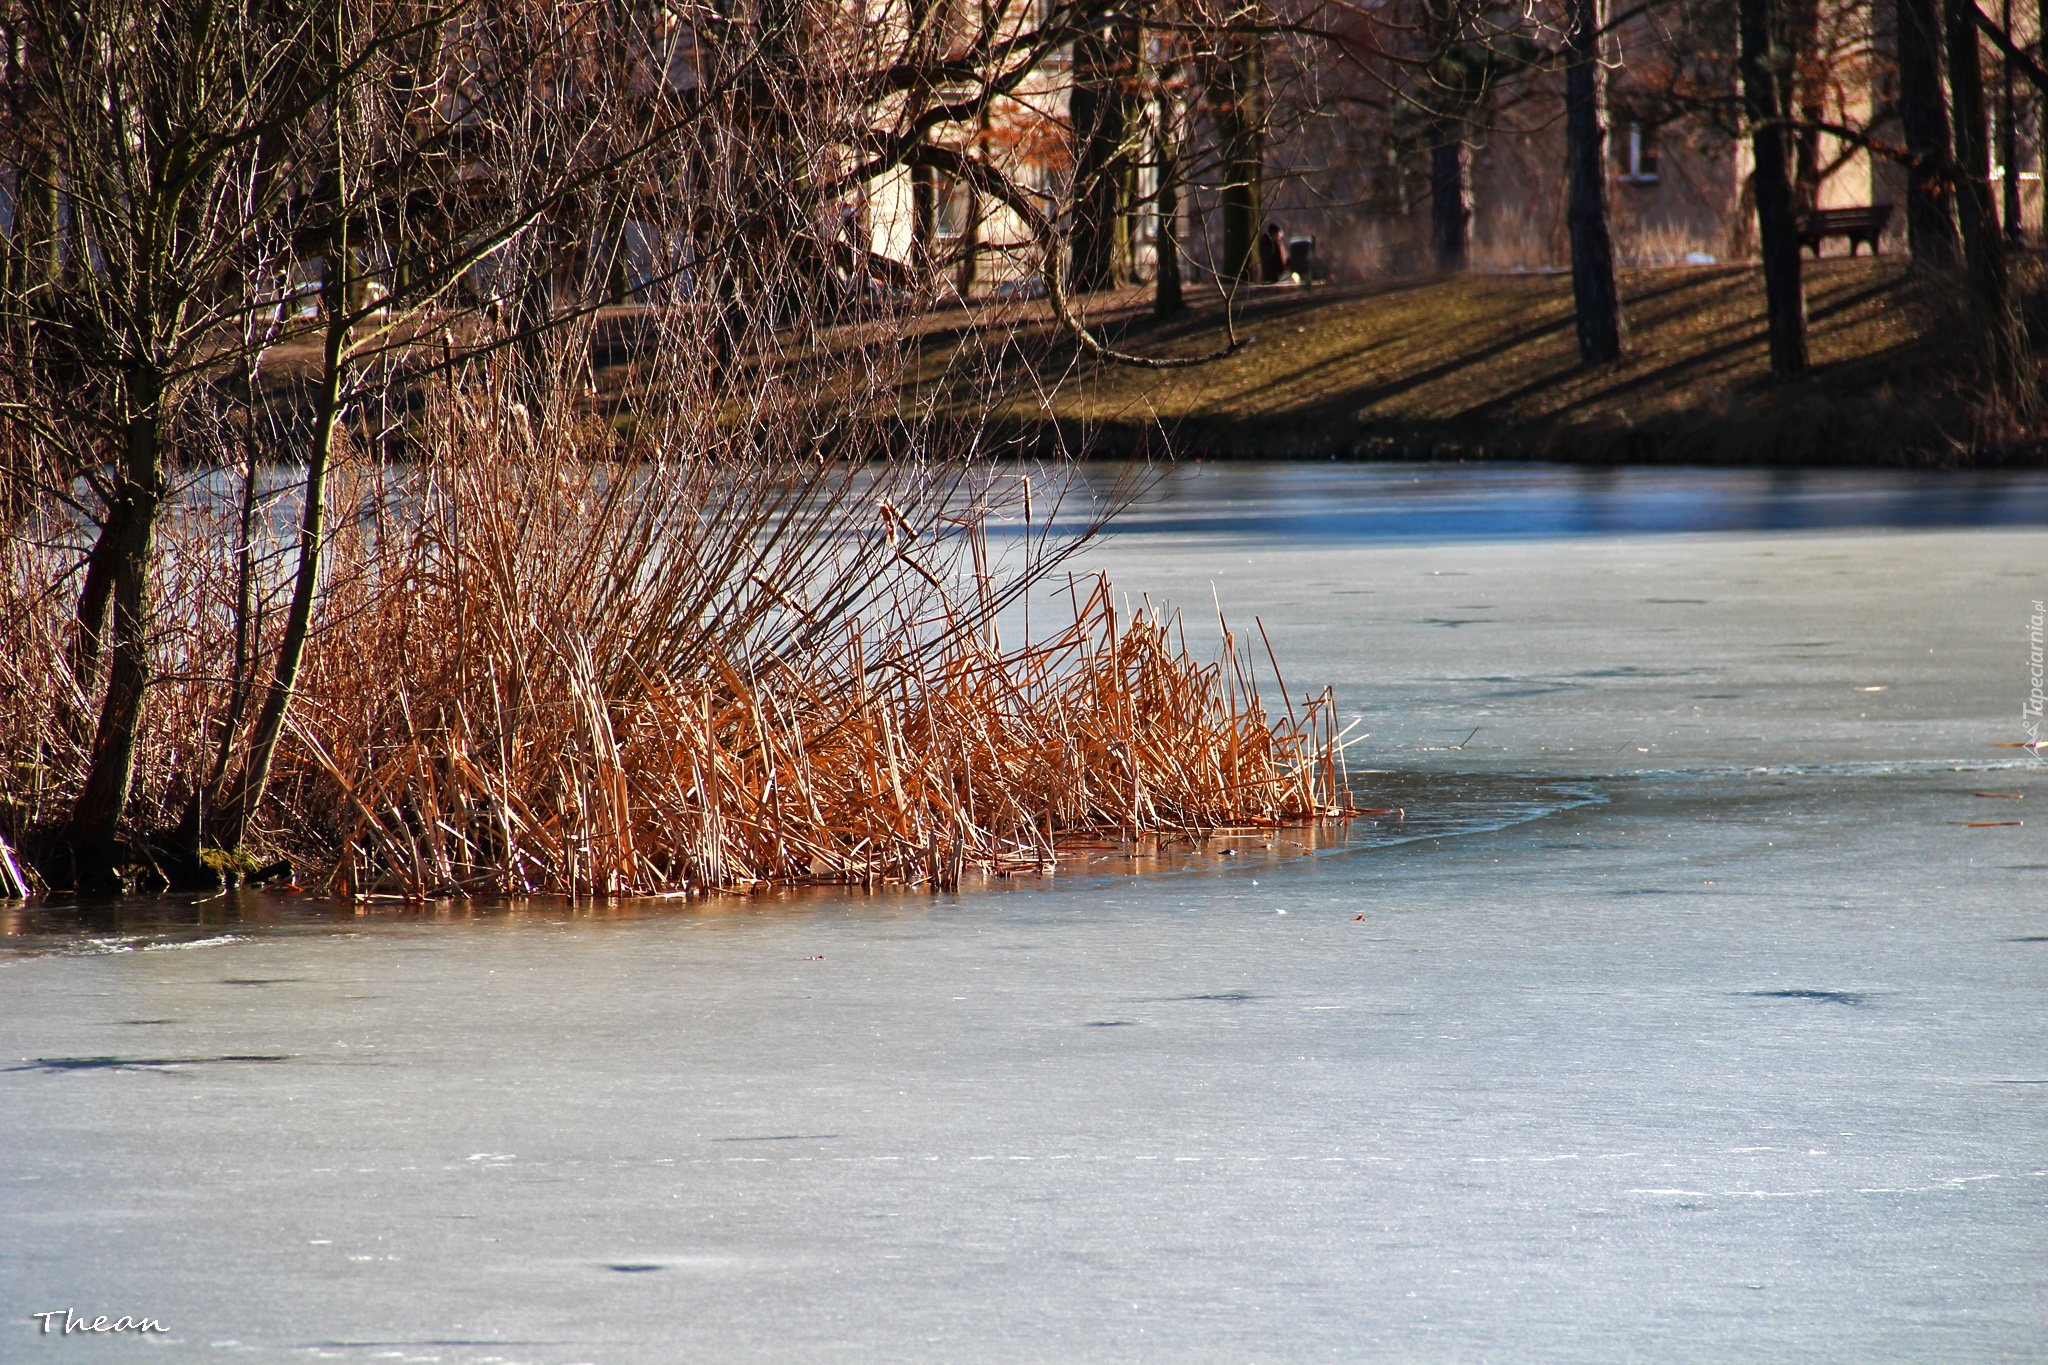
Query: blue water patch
[[1336, 502]]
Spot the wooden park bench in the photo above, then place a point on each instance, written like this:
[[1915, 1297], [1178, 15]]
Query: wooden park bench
[[1864, 223]]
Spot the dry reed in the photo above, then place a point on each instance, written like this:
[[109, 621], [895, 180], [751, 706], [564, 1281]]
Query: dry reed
[[538, 670], [847, 766]]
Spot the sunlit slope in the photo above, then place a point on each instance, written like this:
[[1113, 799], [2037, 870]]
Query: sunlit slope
[[1487, 365]]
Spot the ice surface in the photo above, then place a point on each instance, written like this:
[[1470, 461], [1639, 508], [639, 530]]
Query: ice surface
[[1743, 1061]]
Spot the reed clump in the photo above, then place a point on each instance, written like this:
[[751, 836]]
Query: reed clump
[[545, 665], [864, 762]]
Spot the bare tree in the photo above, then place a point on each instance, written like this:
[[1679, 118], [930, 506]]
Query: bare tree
[[154, 129], [1595, 293], [1976, 212], [1923, 118], [1237, 100], [1167, 297], [1101, 109], [1764, 63]]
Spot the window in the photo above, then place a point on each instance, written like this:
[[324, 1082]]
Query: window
[[1637, 150]]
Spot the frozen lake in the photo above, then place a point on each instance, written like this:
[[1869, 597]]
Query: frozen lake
[[1698, 1013]]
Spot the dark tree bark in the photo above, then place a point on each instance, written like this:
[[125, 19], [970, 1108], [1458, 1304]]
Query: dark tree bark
[[928, 24], [924, 220], [1923, 117], [1595, 293], [31, 250], [970, 245], [1777, 229], [548, 246], [1984, 267], [1450, 198], [95, 598], [1167, 299], [709, 230], [2009, 141], [95, 824], [970, 230], [1241, 139], [1105, 63]]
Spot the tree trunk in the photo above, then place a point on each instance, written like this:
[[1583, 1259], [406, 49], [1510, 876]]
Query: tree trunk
[[1450, 197], [2009, 143], [712, 270], [95, 826], [924, 221], [1796, 35], [1923, 117], [31, 247], [1983, 254], [1777, 229], [1099, 114], [970, 246], [549, 245], [970, 231], [1595, 292], [1167, 299], [1241, 137], [95, 598]]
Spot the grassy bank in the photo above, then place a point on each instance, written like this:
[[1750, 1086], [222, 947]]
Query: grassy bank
[[1485, 366]]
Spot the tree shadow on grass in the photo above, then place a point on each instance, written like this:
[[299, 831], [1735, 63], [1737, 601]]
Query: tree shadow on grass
[[1697, 365], [1352, 404]]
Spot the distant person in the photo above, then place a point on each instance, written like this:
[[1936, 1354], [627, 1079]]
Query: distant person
[[1301, 260], [1272, 255]]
